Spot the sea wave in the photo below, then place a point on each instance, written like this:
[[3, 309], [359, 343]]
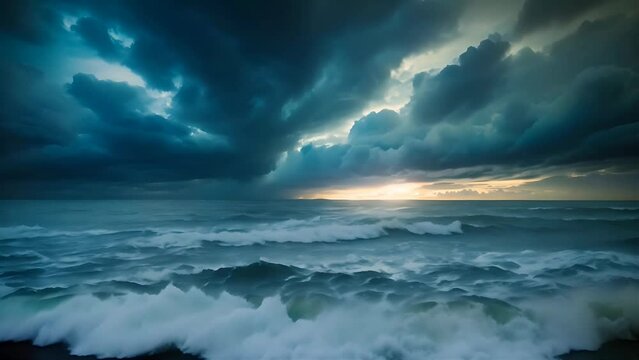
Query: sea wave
[[27, 231], [230, 327], [299, 232], [535, 263], [585, 208]]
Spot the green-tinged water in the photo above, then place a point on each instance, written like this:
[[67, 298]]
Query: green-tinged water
[[320, 279]]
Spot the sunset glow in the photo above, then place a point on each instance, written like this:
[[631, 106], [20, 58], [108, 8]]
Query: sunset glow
[[399, 191], [497, 189]]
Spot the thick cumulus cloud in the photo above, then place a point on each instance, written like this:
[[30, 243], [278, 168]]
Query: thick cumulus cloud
[[537, 14], [261, 73], [460, 89], [574, 103], [114, 136], [245, 80], [382, 129]]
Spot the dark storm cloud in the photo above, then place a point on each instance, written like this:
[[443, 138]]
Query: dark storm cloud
[[153, 61], [601, 99], [121, 139], [108, 98], [28, 21], [617, 186], [375, 129], [96, 34], [536, 14], [460, 89], [34, 113], [249, 79], [575, 102], [230, 87], [305, 63]]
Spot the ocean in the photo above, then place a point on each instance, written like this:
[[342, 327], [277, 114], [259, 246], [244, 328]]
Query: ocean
[[320, 279]]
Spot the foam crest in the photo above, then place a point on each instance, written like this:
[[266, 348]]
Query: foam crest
[[298, 231], [229, 327]]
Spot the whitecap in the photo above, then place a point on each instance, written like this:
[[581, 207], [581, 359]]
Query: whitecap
[[229, 327], [298, 231]]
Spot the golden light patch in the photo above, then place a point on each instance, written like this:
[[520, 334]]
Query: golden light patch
[[396, 191], [460, 190]]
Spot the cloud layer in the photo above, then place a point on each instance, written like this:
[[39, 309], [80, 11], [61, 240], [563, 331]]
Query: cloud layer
[[221, 95]]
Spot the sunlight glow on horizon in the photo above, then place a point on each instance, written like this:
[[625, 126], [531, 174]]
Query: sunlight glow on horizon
[[398, 191], [502, 189]]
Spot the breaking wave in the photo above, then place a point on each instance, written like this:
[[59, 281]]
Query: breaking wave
[[230, 327], [301, 232]]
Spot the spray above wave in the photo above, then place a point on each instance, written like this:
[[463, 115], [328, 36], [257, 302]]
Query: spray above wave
[[301, 232], [230, 327]]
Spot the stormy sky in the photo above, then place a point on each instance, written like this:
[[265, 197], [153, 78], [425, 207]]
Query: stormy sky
[[427, 99]]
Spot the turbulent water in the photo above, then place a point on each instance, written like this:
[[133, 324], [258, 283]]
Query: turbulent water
[[320, 279]]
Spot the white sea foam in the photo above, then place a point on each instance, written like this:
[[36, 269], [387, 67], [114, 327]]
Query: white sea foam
[[427, 227], [310, 231], [533, 263], [228, 327]]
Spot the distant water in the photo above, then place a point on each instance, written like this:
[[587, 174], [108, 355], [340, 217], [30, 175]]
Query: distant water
[[320, 279]]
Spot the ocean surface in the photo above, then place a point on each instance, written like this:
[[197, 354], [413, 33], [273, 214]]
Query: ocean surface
[[320, 279]]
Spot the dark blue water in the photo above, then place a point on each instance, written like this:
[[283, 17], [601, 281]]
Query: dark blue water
[[320, 279]]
